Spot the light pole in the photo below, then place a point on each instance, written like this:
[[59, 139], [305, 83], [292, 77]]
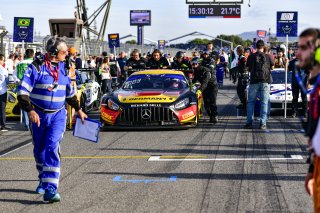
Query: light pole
[[2, 35]]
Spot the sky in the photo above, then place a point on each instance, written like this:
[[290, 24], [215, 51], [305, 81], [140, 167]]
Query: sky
[[169, 17]]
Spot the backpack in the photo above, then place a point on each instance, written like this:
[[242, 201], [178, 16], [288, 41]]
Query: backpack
[[261, 69]]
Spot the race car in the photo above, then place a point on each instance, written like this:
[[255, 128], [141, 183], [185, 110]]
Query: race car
[[12, 106], [277, 89], [153, 98], [88, 91]]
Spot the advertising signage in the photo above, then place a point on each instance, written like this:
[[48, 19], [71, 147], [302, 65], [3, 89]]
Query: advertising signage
[[140, 17], [261, 33], [23, 29], [113, 40], [287, 24]]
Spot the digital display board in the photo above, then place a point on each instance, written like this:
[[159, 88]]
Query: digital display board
[[224, 11], [140, 17], [214, 2]]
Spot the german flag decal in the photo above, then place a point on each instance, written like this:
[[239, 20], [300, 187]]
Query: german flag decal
[[23, 22]]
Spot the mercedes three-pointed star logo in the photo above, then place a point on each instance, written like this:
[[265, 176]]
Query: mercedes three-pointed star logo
[[146, 114]]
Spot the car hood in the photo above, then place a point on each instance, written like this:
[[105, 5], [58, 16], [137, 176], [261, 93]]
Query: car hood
[[157, 96], [277, 88]]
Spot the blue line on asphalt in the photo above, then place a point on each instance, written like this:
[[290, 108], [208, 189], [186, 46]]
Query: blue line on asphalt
[[119, 179]]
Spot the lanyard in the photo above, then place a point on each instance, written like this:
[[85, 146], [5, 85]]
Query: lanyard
[[303, 88], [315, 85], [54, 71]]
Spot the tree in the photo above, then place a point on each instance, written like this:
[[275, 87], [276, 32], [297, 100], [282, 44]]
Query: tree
[[131, 42], [236, 40], [198, 41]]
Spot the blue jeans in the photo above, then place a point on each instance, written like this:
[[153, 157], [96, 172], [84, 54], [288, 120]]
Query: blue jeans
[[262, 89]]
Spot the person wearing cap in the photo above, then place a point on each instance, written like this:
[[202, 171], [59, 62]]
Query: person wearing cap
[[72, 66], [180, 63], [209, 88]]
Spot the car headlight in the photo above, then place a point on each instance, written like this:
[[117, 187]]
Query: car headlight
[[112, 105], [182, 104]]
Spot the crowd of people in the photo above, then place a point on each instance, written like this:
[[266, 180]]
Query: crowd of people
[[42, 98]]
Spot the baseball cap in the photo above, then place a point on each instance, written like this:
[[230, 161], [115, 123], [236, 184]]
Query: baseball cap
[[195, 60], [72, 50]]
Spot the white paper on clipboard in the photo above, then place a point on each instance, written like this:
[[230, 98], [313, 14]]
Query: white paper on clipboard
[[89, 130]]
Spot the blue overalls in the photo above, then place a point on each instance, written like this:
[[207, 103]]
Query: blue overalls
[[50, 106]]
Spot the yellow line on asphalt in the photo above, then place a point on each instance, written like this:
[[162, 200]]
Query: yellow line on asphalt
[[104, 157]]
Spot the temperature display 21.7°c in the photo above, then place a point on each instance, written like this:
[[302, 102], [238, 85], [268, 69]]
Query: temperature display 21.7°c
[[226, 11]]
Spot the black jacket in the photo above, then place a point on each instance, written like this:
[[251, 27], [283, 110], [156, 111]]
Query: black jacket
[[205, 77], [184, 65], [153, 64], [264, 60], [137, 64]]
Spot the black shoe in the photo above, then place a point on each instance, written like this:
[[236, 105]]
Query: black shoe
[[263, 126], [215, 120], [248, 126]]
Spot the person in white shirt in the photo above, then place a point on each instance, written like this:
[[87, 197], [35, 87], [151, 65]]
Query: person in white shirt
[[3, 94], [9, 64]]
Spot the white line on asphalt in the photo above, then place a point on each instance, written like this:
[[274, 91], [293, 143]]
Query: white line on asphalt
[[15, 149], [158, 158]]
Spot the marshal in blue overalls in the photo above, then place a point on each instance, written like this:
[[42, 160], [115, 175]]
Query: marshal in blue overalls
[[47, 95]]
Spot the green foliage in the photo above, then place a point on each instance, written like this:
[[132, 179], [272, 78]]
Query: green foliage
[[131, 42], [199, 41], [236, 40]]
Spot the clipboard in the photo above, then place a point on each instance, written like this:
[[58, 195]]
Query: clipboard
[[88, 131]]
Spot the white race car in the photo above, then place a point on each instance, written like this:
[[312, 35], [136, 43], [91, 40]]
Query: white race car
[[89, 91]]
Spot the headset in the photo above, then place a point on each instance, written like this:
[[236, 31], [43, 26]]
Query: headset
[[52, 45]]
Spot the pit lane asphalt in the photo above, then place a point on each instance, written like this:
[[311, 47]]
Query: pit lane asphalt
[[200, 169]]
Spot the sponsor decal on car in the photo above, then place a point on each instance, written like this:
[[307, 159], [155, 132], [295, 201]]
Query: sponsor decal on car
[[144, 99], [188, 115], [145, 105]]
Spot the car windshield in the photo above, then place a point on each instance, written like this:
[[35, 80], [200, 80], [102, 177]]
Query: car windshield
[[278, 77], [163, 82], [81, 78]]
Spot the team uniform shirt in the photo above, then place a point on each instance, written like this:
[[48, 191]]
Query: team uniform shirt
[[42, 89], [20, 69]]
